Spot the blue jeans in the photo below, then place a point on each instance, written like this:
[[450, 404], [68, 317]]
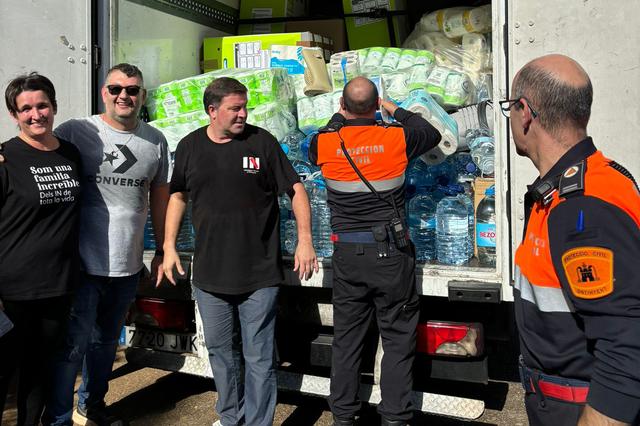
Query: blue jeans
[[227, 319], [99, 308]]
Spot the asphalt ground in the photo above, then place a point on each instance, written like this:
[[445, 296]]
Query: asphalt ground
[[145, 397]]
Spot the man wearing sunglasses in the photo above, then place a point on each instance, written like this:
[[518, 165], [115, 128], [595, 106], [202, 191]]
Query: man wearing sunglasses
[[577, 298], [126, 171]]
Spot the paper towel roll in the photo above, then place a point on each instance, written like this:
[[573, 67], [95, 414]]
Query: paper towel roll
[[433, 156], [449, 142]]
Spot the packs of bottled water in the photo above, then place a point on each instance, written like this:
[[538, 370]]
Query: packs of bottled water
[[422, 226], [483, 152], [486, 228], [292, 141], [320, 215], [452, 230], [185, 240]]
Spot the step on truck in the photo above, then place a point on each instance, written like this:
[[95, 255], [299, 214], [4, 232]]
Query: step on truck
[[466, 335]]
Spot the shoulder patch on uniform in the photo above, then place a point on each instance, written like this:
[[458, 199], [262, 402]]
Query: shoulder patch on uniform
[[572, 179], [589, 271]]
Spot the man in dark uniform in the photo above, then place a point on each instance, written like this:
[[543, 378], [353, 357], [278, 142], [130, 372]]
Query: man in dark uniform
[[577, 296], [372, 269]]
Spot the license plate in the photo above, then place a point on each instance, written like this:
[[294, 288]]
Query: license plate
[[160, 340]]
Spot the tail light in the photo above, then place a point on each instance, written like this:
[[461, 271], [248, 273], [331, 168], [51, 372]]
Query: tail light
[[175, 315], [450, 339]]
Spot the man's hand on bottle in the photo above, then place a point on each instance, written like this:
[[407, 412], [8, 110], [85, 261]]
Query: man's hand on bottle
[[389, 106]]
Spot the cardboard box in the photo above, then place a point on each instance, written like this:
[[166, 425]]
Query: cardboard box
[[333, 29], [368, 32], [253, 51], [250, 9], [479, 186]]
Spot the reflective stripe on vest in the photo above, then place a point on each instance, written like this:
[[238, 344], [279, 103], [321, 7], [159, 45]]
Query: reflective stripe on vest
[[359, 186], [547, 299], [380, 153]]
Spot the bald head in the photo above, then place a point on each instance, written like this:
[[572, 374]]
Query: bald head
[[559, 89], [360, 97]]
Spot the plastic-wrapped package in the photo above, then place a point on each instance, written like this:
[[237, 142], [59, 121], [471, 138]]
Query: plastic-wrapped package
[[316, 111], [434, 21], [476, 20], [428, 41], [176, 128], [390, 59], [407, 58], [420, 102], [458, 91], [437, 82], [419, 76], [373, 59], [344, 66], [306, 117], [275, 118], [396, 84]]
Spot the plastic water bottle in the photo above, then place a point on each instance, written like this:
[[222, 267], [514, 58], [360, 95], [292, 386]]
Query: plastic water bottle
[[303, 168], [466, 200], [284, 205], [149, 235], [486, 228], [185, 239], [292, 141], [320, 216], [452, 230], [465, 169], [290, 236], [422, 226], [482, 152]]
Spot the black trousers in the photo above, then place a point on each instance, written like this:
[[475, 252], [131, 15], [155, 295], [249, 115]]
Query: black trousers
[[38, 330], [364, 284], [543, 411]]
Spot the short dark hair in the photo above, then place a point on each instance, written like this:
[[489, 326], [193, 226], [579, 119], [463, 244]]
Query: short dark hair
[[558, 103], [219, 88], [29, 83], [360, 106], [128, 70]]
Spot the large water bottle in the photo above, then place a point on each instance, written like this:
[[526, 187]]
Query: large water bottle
[[320, 216], [292, 141], [486, 228], [452, 230], [284, 205], [483, 152], [290, 240], [465, 169], [422, 226], [466, 200], [303, 168], [185, 239]]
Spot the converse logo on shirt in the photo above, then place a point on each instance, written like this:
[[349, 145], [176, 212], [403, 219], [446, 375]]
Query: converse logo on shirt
[[251, 164]]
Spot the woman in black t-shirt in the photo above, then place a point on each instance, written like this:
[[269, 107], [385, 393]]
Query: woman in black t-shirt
[[39, 199]]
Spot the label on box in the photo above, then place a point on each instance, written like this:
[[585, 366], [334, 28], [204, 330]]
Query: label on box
[[287, 57]]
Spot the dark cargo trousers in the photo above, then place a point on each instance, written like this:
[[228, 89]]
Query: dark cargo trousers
[[364, 283]]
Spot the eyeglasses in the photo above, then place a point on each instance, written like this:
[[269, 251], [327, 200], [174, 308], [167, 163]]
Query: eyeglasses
[[505, 106], [115, 90]]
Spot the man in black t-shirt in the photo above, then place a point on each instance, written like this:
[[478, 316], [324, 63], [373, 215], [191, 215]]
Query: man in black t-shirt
[[233, 173]]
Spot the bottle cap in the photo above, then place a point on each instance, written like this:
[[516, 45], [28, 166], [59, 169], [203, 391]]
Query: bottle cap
[[490, 190]]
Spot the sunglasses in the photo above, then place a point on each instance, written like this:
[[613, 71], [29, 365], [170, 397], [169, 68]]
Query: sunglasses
[[115, 90]]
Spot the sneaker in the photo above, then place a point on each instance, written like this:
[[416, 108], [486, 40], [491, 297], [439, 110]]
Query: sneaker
[[217, 423], [95, 418]]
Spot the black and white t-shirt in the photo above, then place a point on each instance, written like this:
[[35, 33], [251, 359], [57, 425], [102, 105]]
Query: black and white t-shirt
[[234, 188], [39, 200]]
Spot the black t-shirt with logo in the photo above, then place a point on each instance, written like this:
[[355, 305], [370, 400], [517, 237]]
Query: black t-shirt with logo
[[234, 188], [39, 200]]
